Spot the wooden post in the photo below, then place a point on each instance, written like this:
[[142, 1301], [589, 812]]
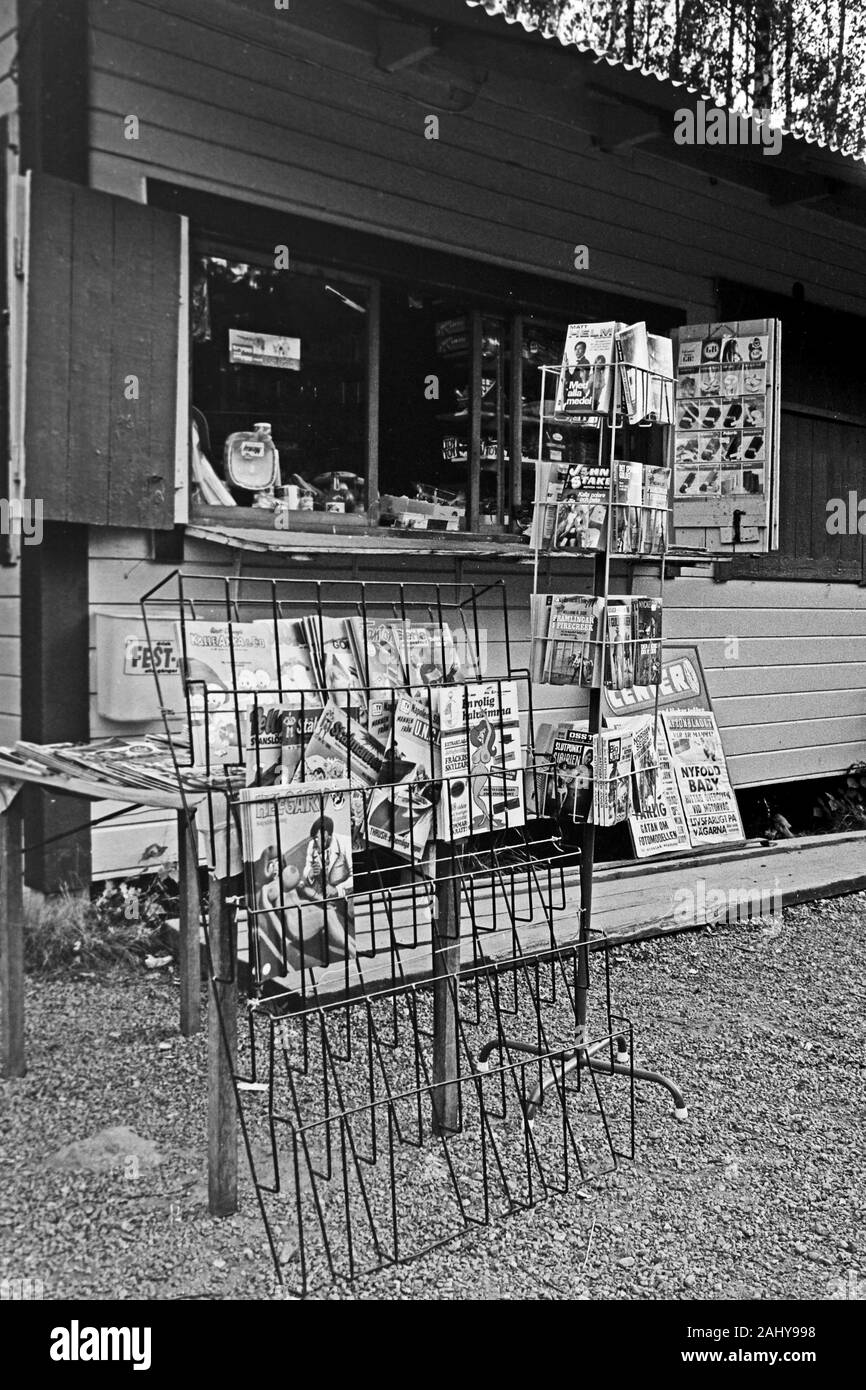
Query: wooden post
[[189, 952], [446, 964], [11, 942], [222, 1038]]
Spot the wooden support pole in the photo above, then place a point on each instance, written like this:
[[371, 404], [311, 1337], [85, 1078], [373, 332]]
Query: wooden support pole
[[222, 1041], [189, 951], [12, 1061], [446, 964]]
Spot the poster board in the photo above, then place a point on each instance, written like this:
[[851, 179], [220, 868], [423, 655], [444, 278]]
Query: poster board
[[679, 822], [725, 451]]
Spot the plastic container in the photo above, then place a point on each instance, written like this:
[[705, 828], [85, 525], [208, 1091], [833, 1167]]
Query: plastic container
[[251, 459]]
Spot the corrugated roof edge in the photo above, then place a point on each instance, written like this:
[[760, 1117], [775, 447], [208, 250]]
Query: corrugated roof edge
[[496, 8]]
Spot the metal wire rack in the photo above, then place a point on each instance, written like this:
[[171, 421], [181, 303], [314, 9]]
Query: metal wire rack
[[386, 962]]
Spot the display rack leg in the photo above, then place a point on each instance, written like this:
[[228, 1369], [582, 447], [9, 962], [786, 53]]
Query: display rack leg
[[189, 949], [12, 1060], [446, 964], [222, 1036]]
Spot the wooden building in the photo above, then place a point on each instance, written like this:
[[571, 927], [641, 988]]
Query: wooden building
[[426, 162]]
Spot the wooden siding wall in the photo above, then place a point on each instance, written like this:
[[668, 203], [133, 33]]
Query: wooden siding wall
[[10, 653], [785, 662], [10, 578], [260, 106]]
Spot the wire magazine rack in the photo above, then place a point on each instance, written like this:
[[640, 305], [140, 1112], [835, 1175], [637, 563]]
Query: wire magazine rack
[[415, 1020]]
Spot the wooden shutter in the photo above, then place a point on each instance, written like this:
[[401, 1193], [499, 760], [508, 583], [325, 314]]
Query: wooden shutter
[[104, 297]]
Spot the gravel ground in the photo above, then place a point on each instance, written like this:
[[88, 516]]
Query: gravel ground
[[759, 1195]]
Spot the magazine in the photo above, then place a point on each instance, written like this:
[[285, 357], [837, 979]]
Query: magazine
[[569, 786], [377, 659], [633, 353], [661, 390], [298, 863], [656, 823], [263, 743], [611, 797], [401, 806], [224, 664], [618, 660], [294, 662], [481, 758], [572, 639], [548, 490], [343, 681], [701, 772], [645, 765], [581, 512], [628, 491], [585, 379], [428, 653], [646, 616], [300, 719], [654, 513], [340, 747]]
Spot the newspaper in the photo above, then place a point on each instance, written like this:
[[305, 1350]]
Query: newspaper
[[701, 772]]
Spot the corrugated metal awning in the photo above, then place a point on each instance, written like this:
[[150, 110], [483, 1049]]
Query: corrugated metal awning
[[589, 26]]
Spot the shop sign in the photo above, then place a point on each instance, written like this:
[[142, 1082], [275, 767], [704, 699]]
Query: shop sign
[[264, 350]]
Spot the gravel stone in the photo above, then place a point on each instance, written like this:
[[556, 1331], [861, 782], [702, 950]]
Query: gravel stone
[[758, 1195]]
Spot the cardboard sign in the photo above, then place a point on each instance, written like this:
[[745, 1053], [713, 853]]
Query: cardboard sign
[[264, 350], [683, 686]]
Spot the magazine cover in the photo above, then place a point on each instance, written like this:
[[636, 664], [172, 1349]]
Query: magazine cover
[[611, 793], [618, 660], [377, 659], [645, 765], [581, 512], [226, 662], [300, 719], [481, 758], [400, 816], [298, 866], [539, 619], [569, 787], [264, 725], [661, 361], [654, 513], [548, 490], [572, 637], [343, 681], [627, 499], [657, 824], [701, 772], [340, 747], [293, 659], [646, 616], [633, 352], [428, 653], [585, 380]]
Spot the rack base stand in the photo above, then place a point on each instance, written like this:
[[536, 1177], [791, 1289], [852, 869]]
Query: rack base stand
[[584, 1057]]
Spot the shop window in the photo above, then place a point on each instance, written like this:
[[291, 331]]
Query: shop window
[[288, 347], [459, 411], [407, 407]]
